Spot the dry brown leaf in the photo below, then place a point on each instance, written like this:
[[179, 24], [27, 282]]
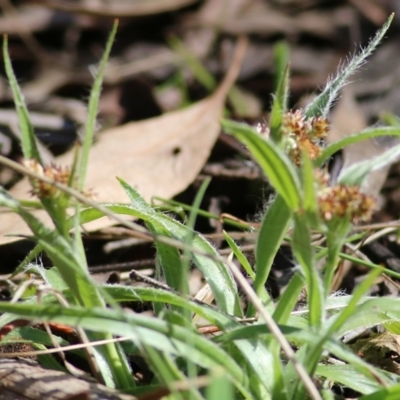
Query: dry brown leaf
[[261, 18], [118, 8], [159, 156], [381, 350]]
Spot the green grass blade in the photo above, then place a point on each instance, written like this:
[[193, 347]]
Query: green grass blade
[[219, 388], [255, 353], [276, 165], [289, 299], [281, 53], [240, 256], [356, 173], [392, 393], [348, 376], [140, 329], [369, 133], [341, 351], [323, 102], [370, 313], [28, 141], [219, 278], [279, 107], [272, 232], [58, 250], [184, 288], [90, 125]]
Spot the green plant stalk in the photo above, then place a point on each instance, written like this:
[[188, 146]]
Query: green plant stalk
[[336, 238], [57, 208], [304, 254], [189, 237]]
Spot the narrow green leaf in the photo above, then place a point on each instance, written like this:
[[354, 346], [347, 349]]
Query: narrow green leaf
[[184, 288], [279, 107], [90, 125], [356, 173], [140, 329], [220, 387], [371, 313], [323, 102], [272, 232], [281, 52], [368, 133], [279, 170], [28, 140], [201, 73], [289, 299], [348, 376], [392, 393], [240, 256], [341, 351], [216, 273], [254, 352], [58, 250], [338, 229]]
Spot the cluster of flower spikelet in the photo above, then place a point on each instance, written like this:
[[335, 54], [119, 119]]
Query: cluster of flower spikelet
[[303, 134], [341, 201], [55, 173], [306, 134]]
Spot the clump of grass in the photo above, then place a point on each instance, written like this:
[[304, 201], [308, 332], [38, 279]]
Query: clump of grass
[[247, 360]]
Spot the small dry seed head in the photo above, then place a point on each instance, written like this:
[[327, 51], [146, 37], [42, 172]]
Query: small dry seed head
[[53, 172], [305, 133], [322, 178], [319, 127], [345, 201]]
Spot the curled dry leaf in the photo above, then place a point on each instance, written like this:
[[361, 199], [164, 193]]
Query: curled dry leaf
[[159, 156]]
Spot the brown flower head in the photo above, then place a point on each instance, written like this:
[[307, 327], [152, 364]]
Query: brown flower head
[[53, 172], [303, 134], [341, 201]]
